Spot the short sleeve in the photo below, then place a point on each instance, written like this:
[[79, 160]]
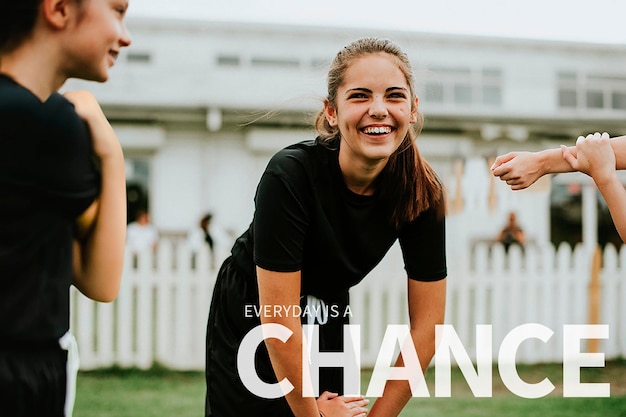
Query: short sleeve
[[67, 167], [280, 222], [423, 244]]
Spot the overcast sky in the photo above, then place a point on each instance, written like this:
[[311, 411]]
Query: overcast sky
[[601, 21]]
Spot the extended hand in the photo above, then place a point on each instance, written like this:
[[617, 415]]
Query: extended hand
[[332, 405], [594, 156], [519, 169]]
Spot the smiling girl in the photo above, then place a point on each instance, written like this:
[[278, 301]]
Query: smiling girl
[[62, 220], [327, 212]]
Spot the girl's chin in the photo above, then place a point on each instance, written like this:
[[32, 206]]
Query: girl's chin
[[378, 155]]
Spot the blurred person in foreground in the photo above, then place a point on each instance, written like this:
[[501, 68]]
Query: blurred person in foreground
[[62, 214]]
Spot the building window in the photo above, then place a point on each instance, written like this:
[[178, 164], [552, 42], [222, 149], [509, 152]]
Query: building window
[[595, 99], [463, 86], [491, 92], [492, 95], [463, 93], [591, 91], [261, 61], [139, 57], [228, 60], [618, 101], [433, 93], [567, 98]]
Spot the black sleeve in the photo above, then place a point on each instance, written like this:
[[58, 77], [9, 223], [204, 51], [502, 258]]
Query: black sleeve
[[423, 244], [280, 223], [68, 169], [45, 152]]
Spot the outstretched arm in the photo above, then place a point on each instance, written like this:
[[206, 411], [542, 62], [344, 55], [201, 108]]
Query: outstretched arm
[[101, 229], [595, 157], [521, 169], [427, 302]]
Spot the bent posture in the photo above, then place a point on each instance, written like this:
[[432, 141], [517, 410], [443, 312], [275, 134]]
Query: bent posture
[[327, 211]]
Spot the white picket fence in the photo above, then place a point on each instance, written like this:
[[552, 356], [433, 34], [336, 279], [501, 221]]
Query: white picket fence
[[161, 312]]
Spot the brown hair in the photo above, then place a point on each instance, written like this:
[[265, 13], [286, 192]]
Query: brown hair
[[408, 180], [17, 21]]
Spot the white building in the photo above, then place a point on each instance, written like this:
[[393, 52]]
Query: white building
[[201, 106]]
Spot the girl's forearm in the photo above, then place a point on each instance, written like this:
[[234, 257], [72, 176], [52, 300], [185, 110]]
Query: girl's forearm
[[398, 393], [615, 196], [551, 161], [619, 148], [102, 249], [287, 363]]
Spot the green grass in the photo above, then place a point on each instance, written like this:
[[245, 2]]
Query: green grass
[[136, 393], [164, 393]]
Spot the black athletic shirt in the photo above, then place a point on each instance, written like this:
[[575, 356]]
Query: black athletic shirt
[[47, 178], [307, 219]]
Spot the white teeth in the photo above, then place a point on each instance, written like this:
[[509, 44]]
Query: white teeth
[[376, 130]]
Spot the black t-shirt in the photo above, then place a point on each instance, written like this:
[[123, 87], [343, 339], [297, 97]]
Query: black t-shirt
[[307, 219], [47, 179]]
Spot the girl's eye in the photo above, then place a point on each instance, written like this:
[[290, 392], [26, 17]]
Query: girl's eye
[[397, 95], [357, 95], [121, 9]]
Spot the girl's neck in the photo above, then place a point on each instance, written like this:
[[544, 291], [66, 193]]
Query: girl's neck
[[34, 68], [360, 177]]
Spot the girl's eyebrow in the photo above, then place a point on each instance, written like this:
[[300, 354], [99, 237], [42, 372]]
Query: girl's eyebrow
[[367, 90]]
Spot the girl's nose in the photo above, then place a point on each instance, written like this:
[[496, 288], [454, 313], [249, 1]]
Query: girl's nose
[[125, 38], [378, 109]]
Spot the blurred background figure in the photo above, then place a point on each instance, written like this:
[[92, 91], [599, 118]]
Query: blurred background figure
[[201, 236], [512, 234], [141, 234]]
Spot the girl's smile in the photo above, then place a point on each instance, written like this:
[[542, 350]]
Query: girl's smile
[[374, 110]]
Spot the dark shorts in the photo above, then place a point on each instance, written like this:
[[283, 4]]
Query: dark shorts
[[33, 380], [227, 326]]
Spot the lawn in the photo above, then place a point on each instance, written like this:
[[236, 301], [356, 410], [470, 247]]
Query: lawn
[[164, 393]]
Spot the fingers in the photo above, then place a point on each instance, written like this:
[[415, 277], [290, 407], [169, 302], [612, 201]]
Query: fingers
[[502, 159], [592, 155], [592, 141], [328, 395], [594, 137], [356, 405], [333, 405], [567, 155], [358, 398]]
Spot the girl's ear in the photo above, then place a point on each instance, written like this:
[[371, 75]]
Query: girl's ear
[[56, 12], [331, 113], [413, 118]]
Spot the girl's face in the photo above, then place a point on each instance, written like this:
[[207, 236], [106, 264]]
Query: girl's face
[[96, 36], [373, 109]]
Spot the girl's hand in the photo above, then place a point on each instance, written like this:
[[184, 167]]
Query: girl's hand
[[519, 169], [332, 405], [105, 142], [594, 157]]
